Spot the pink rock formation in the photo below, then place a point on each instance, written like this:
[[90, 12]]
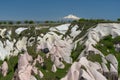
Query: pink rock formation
[[4, 68], [35, 70], [84, 69], [59, 50], [73, 73], [24, 67], [39, 59]]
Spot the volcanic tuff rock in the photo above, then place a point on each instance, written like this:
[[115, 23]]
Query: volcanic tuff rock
[[58, 46]]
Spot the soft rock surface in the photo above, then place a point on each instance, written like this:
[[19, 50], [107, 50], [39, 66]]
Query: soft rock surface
[[113, 60], [4, 68], [24, 68], [54, 69], [91, 72], [59, 49], [19, 30]]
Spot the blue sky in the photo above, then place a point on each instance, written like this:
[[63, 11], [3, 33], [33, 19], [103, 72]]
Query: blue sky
[[56, 9]]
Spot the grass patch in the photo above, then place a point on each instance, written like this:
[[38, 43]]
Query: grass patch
[[75, 53], [94, 57], [46, 70], [108, 43], [12, 62]]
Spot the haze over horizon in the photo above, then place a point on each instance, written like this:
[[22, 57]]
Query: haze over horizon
[[57, 9]]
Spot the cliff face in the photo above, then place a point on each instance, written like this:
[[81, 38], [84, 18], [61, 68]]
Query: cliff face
[[50, 50], [93, 69]]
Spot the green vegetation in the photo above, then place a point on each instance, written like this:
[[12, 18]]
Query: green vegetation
[[31, 22], [46, 68], [75, 53], [18, 22], [12, 64], [118, 19], [10, 22], [106, 47], [84, 24], [48, 74], [94, 58], [26, 22]]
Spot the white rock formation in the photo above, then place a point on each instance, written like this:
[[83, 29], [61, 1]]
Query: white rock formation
[[64, 28], [111, 58], [7, 49], [104, 67], [94, 35], [61, 28], [2, 32], [112, 68], [19, 30], [21, 44], [59, 50], [74, 31], [54, 69]]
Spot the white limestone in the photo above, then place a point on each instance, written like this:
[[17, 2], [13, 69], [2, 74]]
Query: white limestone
[[21, 44], [19, 30], [111, 58], [54, 69]]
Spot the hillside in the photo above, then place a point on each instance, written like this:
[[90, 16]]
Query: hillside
[[80, 50]]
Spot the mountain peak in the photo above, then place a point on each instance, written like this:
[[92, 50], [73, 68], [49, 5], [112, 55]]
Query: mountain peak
[[71, 16]]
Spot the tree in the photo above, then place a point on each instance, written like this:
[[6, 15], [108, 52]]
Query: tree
[[0, 23], [118, 19], [31, 22], [26, 21], [18, 22], [4, 22], [10, 22], [46, 21]]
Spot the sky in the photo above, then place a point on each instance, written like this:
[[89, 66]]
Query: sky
[[57, 9]]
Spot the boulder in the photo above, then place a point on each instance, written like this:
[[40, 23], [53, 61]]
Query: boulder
[[74, 72], [40, 74], [32, 77], [4, 68], [34, 70], [111, 58], [54, 69], [84, 69], [24, 67]]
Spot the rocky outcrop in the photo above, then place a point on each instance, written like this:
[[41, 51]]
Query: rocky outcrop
[[4, 68], [84, 69], [94, 71], [54, 69], [57, 49], [24, 67]]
